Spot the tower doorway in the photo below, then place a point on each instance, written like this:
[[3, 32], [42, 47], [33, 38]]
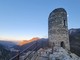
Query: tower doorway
[[62, 44]]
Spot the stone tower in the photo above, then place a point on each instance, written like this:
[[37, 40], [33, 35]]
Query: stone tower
[[58, 29]]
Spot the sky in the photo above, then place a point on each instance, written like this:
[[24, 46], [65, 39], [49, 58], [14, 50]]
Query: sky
[[24, 19]]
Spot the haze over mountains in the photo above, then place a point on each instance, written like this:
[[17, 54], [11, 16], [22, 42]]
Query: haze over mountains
[[12, 43]]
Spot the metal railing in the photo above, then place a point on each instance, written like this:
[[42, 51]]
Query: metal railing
[[17, 56]]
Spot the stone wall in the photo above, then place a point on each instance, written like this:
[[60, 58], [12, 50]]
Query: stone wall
[[58, 28]]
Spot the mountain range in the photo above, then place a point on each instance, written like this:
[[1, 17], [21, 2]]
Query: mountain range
[[74, 38]]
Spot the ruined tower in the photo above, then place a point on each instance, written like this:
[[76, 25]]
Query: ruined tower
[[58, 29]]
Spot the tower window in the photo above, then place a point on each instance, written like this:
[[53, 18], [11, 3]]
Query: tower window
[[65, 24]]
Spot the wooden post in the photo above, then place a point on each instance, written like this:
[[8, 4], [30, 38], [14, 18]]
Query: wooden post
[[36, 45], [18, 55]]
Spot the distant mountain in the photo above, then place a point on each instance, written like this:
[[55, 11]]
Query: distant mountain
[[74, 31], [74, 37], [27, 41], [41, 42], [7, 44], [4, 54]]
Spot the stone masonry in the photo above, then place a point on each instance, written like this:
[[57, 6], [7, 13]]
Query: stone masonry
[[58, 29]]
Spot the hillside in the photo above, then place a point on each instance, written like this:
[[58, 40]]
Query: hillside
[[7, 44], [4, 54], [41, 42], [74, 37]]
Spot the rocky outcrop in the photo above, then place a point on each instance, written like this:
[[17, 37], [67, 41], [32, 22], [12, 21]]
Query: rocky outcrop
[[62, 54], [59, 53]]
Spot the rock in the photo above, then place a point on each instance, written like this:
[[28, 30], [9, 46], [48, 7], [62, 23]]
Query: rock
[[62, 54]]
